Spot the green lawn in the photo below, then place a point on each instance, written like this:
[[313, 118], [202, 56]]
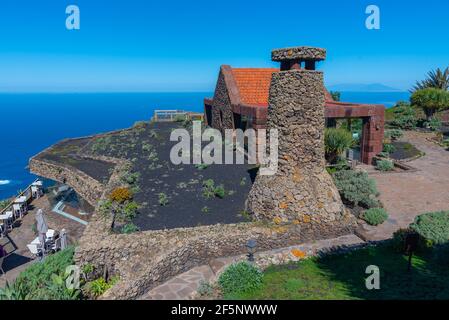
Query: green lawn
[[342, 276]]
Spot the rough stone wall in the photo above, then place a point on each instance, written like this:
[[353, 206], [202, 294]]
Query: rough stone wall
[[147, 259], [87, 187], [298, 53], [301, 190], [222, 103]]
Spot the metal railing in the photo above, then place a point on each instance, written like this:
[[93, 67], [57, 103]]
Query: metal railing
[[175, 115], [27, 193]]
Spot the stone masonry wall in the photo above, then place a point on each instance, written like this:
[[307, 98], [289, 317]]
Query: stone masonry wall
[[301, 189], [146, 259], [222, 103]]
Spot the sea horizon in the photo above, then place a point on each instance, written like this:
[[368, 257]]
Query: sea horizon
[[37, 120]]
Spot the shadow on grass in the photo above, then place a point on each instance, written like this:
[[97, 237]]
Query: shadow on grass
[[426, 280]]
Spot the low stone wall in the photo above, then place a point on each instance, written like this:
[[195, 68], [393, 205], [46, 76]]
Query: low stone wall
[[147, 259], [87, 187]]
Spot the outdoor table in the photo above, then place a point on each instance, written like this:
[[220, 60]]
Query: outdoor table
[[20, 206], [37, 183], [7, 219]]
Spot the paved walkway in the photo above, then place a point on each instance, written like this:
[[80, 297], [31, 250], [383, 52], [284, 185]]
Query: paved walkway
[[16, 241], [408, 194], [185, 286]]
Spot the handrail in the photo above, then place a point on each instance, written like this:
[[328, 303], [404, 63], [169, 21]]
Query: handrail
[[9, 206]]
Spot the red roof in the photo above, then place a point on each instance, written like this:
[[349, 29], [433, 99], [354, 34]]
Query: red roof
[[254, 85]]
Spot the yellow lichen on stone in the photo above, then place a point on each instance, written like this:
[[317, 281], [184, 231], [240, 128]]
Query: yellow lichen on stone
[[296, 222], [283, 205], [298, 253], [306, 219], [277, 220]]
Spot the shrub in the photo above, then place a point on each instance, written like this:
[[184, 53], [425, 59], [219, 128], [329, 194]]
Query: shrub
[[337, 141], [356, 188], [129, 228], [210, 190], [394, 134], [240, 278], [389, 148], [99, 286], [3, 204], [120, 195], [201, 166], [375, 216], [433, 227], [44, 280], [404, 116], [163, 199], [384, 165], [130, 210], [220, 191], [433, 124]]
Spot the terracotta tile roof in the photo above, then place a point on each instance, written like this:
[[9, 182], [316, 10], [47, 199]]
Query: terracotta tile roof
[[254, 85]]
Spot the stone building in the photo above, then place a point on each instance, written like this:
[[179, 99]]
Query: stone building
[[241, 101]]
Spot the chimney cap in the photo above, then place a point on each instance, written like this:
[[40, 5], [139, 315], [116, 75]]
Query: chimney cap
[[298, 53]]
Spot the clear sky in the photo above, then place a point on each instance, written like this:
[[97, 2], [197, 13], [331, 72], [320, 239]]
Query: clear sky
[[147, 45]]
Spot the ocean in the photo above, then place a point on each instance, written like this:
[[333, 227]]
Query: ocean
[[32, 122]]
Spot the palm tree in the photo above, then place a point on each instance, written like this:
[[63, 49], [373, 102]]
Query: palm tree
[[435, 79]]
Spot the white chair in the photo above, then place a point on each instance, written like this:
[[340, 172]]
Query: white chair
[[17, 210], [35, 249]]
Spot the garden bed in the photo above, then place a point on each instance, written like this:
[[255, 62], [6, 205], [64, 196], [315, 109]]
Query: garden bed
[[404, 151], [169, 196]]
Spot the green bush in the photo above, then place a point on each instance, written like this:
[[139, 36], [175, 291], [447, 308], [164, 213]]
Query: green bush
[[129, 228], [433, 227], [44, 280], [394, 134], [404, 116], [433, 124], [220, 191], [99, 286], [337, 141], [240, 278], [375, 216], [356, 187], [3, 204], [384, 165], [389, 148], [163, 199], [441, 254]]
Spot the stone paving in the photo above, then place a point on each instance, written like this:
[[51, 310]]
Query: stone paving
[[408, 194], [16, 242], [185, 285]]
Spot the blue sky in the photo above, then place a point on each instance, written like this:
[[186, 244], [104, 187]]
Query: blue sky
[[145, 45]]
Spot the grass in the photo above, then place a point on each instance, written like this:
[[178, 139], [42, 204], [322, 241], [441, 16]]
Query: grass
[[342, 277]]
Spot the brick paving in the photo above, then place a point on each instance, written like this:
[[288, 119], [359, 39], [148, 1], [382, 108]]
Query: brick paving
[[408, 194], [16, 241]]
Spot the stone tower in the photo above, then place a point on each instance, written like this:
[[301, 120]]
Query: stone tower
[[301, 190]]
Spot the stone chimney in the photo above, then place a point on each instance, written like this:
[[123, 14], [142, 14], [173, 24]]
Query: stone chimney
[[301, 191]]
